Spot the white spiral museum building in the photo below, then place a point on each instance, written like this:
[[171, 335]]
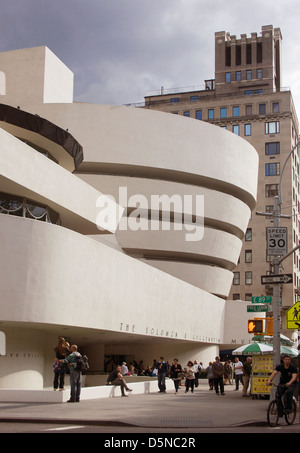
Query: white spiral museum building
[[119, 227]]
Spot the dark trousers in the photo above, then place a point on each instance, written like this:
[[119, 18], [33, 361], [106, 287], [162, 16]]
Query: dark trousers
[[162, 382], [189, 383], [59, 376], [238, 377], [176, 384], [289, 397], [219, 382]]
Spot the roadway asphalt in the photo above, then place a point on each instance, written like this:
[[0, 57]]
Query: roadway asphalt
[[202, 409]]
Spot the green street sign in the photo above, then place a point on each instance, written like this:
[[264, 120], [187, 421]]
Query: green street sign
[[257, 308], [262, 300]]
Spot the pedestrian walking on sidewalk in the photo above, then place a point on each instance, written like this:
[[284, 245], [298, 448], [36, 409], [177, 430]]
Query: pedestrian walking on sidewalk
[[162, 369], [238, 370], [175, 374], [189, 377], [247, 368], [210, 376], [218, 374], [196, 372], [227, 372]]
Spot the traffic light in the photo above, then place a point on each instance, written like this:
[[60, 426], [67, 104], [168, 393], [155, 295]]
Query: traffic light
[[255, 326], [269, 326]]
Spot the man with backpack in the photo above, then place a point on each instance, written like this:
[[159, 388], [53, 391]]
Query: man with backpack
[[75, 374]]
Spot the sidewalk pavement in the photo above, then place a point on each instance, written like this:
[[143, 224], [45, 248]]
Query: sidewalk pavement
[[202, 409]]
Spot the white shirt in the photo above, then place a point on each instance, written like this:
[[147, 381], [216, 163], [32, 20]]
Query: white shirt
[[124, 370], [240, 370]]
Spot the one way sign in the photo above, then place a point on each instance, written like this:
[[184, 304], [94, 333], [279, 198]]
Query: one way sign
[[280, 278]]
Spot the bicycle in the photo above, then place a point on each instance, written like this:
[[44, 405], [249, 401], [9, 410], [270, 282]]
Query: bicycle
[[274, 414]]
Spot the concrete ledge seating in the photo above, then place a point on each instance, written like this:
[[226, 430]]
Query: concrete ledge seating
[[87, 393]]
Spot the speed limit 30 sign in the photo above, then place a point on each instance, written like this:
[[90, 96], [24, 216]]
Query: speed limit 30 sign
[[276, 241]]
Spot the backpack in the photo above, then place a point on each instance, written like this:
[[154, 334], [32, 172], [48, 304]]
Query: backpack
[[82, 364]]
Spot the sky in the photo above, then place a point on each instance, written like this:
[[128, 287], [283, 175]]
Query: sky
[[122, 50]]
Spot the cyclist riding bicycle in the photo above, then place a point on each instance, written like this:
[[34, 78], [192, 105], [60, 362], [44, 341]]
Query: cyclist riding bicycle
[[287, 381]]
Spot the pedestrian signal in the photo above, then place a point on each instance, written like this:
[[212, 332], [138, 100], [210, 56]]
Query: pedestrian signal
[[255, 326]]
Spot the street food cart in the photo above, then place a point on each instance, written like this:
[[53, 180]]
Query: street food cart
[[262, 367]]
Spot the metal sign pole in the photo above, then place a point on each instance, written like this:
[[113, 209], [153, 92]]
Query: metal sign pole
[[276, 296], [276, 263], [298, 369]]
